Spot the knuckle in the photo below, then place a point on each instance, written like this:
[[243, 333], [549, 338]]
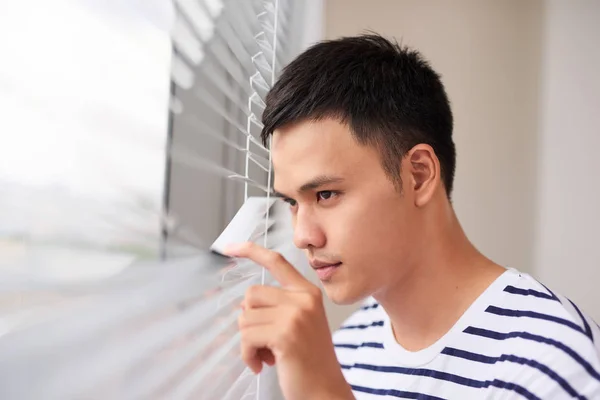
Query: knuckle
[[312, 300], [245, 353], [296, 318], [312, 304], [252, 293], [243, 336], [316, 294], [246, 339]]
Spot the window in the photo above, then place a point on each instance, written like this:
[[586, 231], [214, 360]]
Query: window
[[97, 142], [84, 93]]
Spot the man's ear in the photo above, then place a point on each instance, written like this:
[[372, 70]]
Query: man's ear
[[424, 168]]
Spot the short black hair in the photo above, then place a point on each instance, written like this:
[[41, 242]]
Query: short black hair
[[387, 94]]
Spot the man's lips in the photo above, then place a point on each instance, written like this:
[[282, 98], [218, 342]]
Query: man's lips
[[324, 269], [316, 264]]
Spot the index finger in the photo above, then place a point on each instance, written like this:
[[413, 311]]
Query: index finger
[[275, 263]]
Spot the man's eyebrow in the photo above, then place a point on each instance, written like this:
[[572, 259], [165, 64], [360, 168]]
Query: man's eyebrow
[[319, 181], [278, 194], [313, 184]]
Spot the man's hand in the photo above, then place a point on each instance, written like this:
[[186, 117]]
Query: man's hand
[[287, 327]]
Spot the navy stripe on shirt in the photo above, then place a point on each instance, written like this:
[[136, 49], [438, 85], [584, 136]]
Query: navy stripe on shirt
[[555, 297], [533, 314], [356, 346], [552, 296], [370, 307], [394, 393], [536, 338], [528, 292], [467, 355], [375, 323], [460, 380], [588, 330]]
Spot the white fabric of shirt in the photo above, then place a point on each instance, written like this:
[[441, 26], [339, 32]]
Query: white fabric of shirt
[[518, 340]]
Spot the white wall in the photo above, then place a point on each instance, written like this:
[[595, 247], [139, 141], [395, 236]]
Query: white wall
[[568, 256]]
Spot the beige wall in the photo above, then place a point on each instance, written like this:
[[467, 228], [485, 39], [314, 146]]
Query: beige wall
[[569, 217], [522, 79], [488, 54]]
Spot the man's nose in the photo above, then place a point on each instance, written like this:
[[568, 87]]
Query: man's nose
[[307, 231]]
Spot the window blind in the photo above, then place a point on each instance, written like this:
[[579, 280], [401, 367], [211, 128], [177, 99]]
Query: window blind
[[166, 327], [218, 99]]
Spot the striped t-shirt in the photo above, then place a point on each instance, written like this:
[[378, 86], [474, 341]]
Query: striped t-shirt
[[517, 340]]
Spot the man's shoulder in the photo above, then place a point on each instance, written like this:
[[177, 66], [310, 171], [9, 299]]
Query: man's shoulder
[[530, 325], [527, 309]]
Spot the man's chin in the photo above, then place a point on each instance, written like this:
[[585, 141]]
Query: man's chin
[[342, 296]]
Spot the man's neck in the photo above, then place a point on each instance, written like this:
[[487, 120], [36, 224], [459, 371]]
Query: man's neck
[[425, 304]]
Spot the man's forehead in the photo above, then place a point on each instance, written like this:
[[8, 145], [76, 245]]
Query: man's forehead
[[312, 150], [313, 139]]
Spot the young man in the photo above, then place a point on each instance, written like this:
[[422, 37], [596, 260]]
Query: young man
[[363, 153]]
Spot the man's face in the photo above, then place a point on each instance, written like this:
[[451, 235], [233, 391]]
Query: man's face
[[348, 216]]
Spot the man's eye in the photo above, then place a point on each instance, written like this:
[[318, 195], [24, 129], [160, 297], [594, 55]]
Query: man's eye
[[291, 202], [325, 195]]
